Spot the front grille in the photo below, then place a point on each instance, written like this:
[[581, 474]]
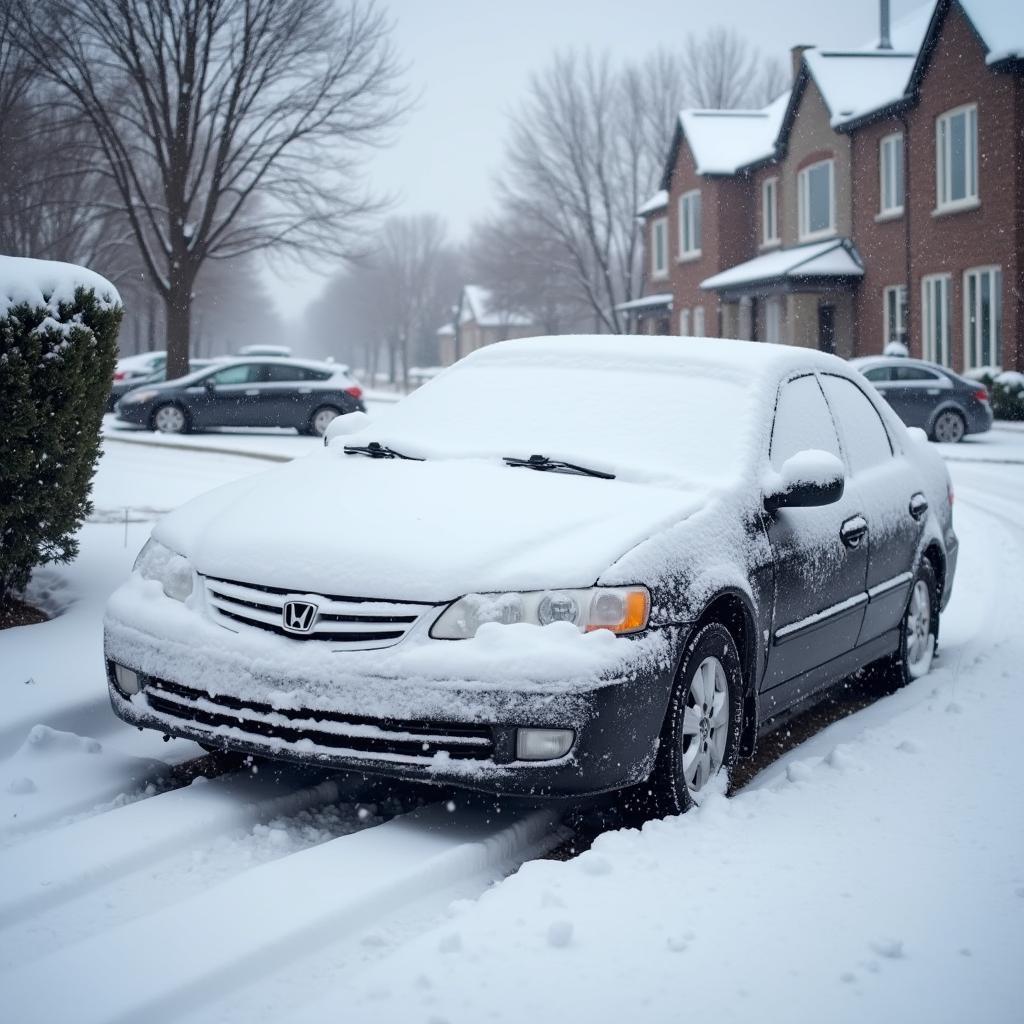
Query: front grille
[[351, 623], [325, 729]]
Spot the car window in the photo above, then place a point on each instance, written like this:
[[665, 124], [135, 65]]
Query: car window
[[279, 372], [913, 373], [877, 373], [802, 421], [864, 435], [242, 373]]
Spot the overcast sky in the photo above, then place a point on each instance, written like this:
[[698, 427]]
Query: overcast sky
[[470, 62]]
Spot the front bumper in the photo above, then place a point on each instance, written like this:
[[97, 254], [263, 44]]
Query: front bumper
[[376, 712], [135, 412]]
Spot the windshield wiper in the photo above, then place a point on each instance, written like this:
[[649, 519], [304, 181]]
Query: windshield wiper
[[543, 463], [376, 450]]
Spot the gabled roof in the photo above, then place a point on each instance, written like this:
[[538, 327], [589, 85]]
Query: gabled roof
[[858, 83], [657, 202], [478, 305], [833, 258]]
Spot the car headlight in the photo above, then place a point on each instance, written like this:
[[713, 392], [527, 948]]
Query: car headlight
[[620, 609], [170, 570], [135, 397]]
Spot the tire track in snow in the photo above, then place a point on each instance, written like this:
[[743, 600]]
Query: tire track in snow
[[201, 949]]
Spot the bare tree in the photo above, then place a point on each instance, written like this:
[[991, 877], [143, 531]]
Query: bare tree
[[721, 70], [201, 108]]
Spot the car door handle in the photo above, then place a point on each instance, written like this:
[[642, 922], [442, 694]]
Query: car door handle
[[918, 505], [933, 391], [305, 391], [252, 392], [853, 531]]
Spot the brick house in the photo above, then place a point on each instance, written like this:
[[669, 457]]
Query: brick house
[[896, 164], [478, 322]]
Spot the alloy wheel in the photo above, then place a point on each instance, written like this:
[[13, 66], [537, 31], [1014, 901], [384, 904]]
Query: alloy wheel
[[949, 427], [919, 630], [169, 419], [705, 724]]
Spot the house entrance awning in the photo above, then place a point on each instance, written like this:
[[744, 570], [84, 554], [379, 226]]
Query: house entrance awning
[[804, 267], [650, 303]]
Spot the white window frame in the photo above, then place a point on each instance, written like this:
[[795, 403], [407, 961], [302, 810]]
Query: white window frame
[[769, 215], [899, 291], [891, 176], [972, 346], [943, 157], [935, 345], [698, 321], [659, 229], [804, 201], [690, 225], [684, 323]]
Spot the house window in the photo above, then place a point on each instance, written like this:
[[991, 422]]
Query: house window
[[684, 322], [890, 171], [983, 317], [815, 187], [935, 318], [698, 322], [773, 320], [659, 248], [689, 225], [956, 158], [770, 211], [894, 307]]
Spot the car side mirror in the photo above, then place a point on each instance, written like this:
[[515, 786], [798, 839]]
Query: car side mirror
[[346, 423], [807, 479]]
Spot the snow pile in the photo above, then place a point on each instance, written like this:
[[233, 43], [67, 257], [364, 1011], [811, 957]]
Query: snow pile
[[47, 283]]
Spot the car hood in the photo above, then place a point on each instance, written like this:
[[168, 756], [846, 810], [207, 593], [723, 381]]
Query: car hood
[[418, 531]]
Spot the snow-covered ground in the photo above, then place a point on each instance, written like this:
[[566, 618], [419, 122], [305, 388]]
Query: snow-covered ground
[[876, 871]]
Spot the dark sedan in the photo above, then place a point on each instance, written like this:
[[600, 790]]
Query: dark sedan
[[262, 392], [943, 404]]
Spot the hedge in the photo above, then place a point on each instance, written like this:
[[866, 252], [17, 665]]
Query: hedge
[[58, 343]]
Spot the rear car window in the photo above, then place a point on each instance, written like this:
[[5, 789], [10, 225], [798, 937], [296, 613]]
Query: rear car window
[[802, 421], [877, 373], [277, 373], [864, 435], [913, 373]]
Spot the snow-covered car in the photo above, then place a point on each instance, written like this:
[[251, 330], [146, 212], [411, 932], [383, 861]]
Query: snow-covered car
[[120, 388], [139, 366], [252, 392], [515, 581]]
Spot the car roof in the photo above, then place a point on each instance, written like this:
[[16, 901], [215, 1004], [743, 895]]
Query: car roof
[[869, 361], [310, 364]]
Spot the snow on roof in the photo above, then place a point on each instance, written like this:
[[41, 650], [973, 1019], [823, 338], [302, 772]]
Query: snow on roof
[[646, 301], [479, 307], [446, 331], [46, 283], [657, 202], [833, 258], [857, 83], [723, 141], [1000, 23]]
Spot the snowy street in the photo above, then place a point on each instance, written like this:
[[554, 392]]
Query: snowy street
[[875, 869]]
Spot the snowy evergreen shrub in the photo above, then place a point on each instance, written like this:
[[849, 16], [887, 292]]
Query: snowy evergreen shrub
[[58, 339], [1007, 392]]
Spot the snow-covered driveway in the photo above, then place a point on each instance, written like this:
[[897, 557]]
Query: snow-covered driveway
[[876, 871]]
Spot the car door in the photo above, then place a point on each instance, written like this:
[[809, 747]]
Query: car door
[[915, 393], [287, 394], [894, 504], [226, 396], [819, 557]]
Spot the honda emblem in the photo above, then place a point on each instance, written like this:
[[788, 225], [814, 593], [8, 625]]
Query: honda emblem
[[298, 616]]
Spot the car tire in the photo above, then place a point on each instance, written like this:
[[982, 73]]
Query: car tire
[[949, 427], [169, 418], [322, 418], [919, 630], [698, 739]]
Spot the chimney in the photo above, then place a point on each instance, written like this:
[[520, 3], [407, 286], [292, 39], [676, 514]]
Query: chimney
[[884, 43], [796, 53]]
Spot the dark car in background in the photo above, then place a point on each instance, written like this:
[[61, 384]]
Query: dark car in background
[[120, 388], [264, 392], [943, 404]]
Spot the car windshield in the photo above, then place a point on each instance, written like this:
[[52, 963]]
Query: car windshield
[[639, 425]]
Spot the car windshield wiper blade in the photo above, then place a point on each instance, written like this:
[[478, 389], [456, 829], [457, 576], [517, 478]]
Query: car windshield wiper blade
[[376, 450], [542, 462]]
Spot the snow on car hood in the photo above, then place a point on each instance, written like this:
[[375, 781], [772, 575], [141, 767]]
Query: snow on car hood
[[427, 531]]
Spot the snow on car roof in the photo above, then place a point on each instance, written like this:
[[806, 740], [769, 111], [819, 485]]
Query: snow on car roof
[[48, 283]]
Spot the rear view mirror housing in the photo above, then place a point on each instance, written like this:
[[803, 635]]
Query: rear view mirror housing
[[809, 479], [346, 424]]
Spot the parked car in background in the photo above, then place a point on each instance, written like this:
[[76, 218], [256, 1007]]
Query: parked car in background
[[263, 392], [509, 582], [266, 350], [943, 404], [120, 388], [140, 366]]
